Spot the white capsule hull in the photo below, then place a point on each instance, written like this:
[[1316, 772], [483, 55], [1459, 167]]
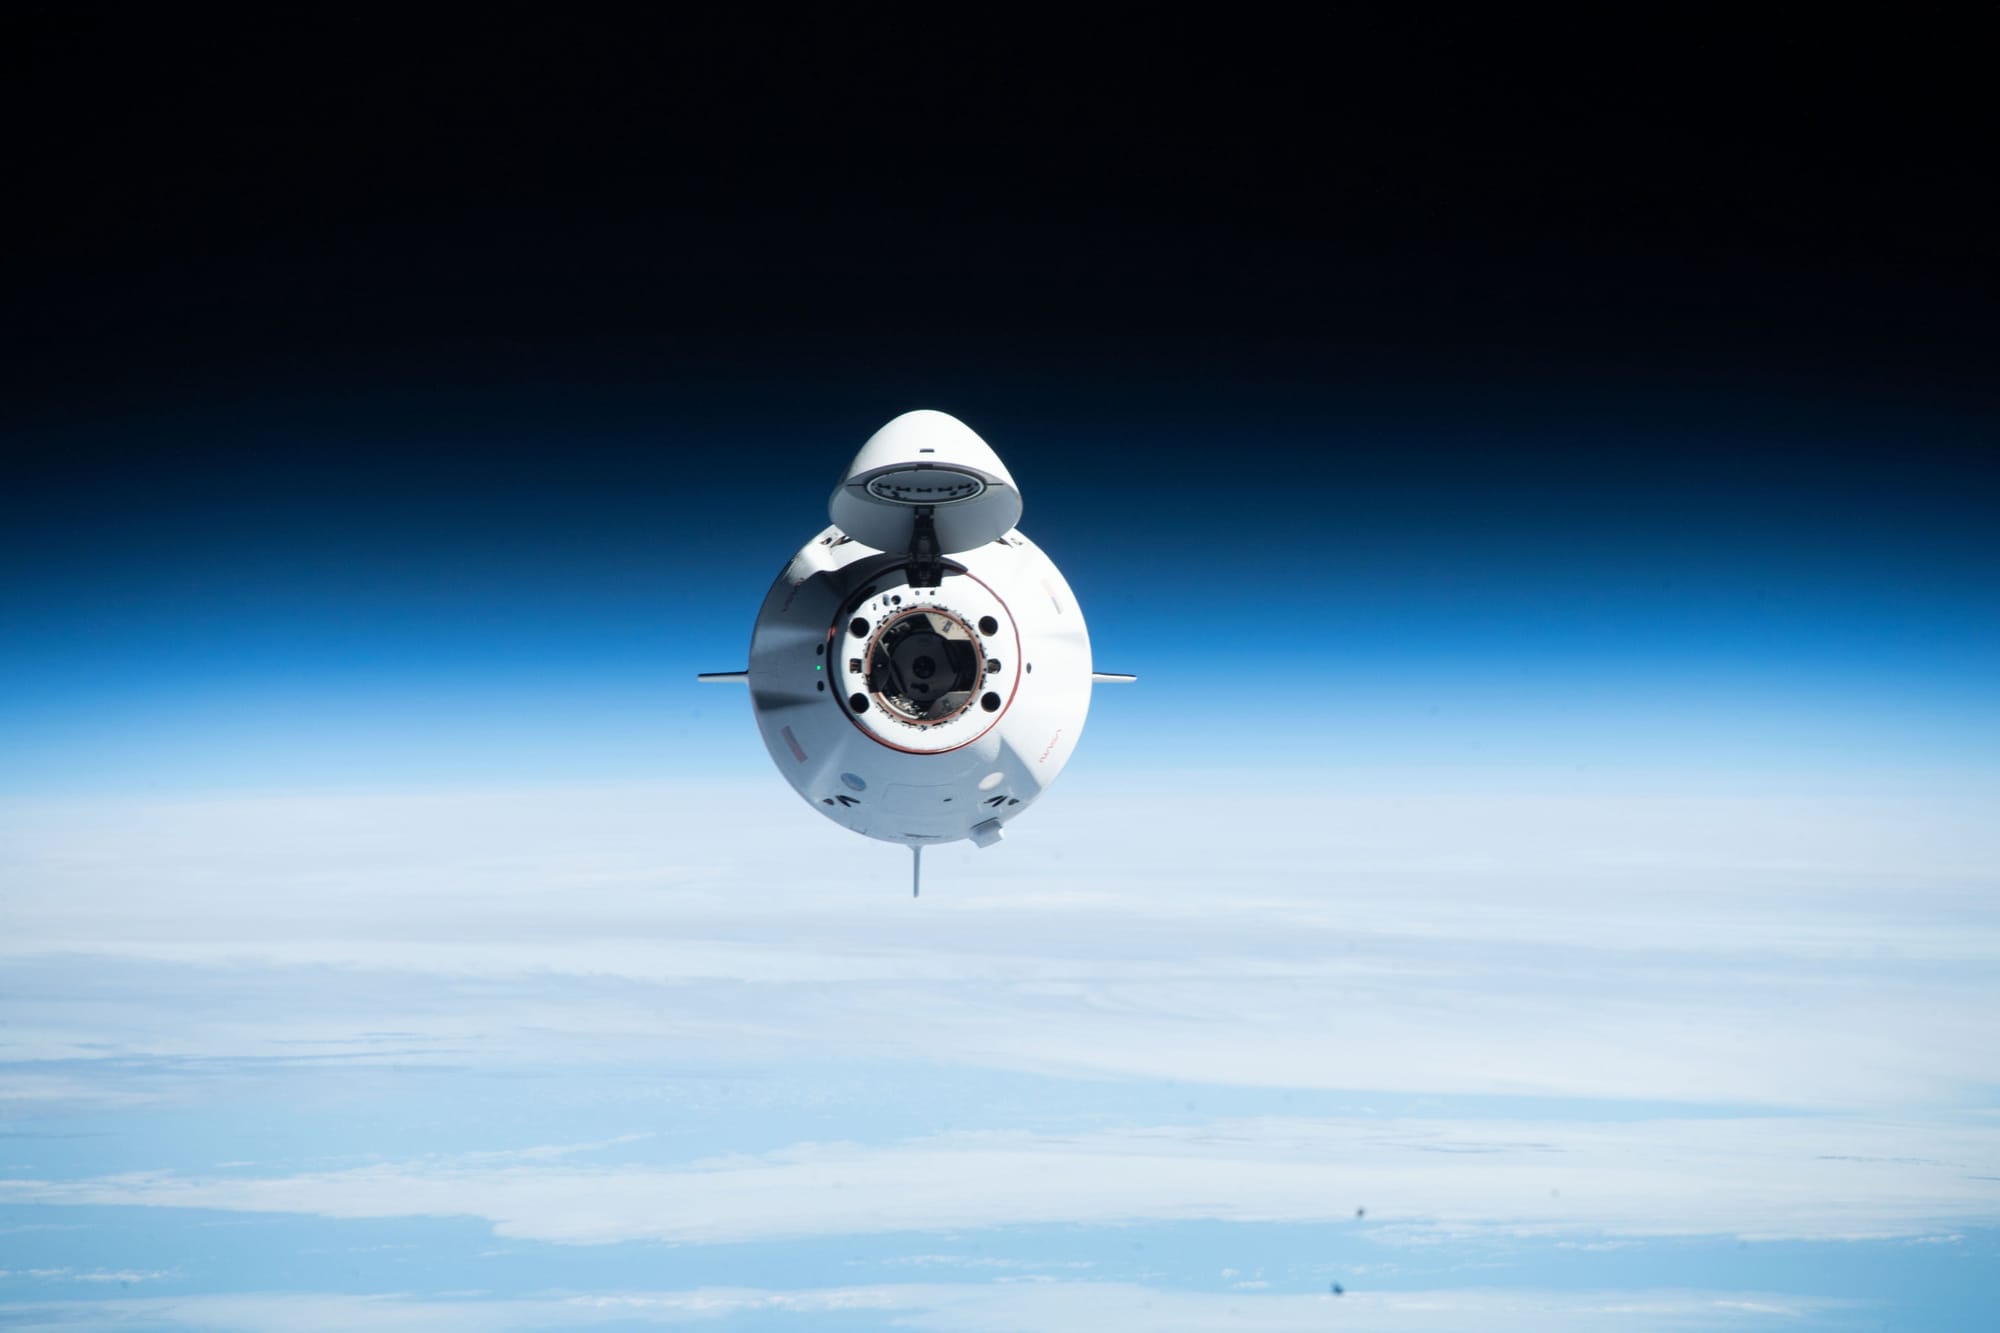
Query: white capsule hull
[[867, 747]]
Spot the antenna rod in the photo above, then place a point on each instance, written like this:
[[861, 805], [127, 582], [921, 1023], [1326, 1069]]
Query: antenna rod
[[916, 869]]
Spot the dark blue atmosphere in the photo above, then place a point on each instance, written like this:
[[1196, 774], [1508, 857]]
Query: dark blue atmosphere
[[1545, 481], [525, 577]]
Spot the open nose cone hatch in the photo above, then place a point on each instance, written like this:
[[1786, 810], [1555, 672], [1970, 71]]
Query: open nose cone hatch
[[925, 462]]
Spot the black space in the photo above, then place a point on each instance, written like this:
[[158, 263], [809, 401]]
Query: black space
[[206, 208]]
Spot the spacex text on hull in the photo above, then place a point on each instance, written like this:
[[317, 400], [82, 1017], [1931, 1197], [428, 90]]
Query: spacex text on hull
[[920, 671]]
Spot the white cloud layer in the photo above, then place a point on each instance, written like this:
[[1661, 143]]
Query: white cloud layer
[[948, 1308], [1813, 1178], [1812, 985], [1792, 952]]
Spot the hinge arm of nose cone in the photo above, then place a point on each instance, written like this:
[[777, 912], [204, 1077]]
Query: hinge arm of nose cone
[[916, 869], [926, 560]]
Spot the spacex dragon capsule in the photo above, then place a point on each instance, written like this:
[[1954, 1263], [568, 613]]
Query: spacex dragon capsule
[[920, 670]]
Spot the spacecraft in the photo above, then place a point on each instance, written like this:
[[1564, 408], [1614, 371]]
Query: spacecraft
[[920, 671]]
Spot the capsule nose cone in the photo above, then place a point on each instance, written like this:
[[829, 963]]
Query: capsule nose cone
[[925, 459], [928, 429]]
